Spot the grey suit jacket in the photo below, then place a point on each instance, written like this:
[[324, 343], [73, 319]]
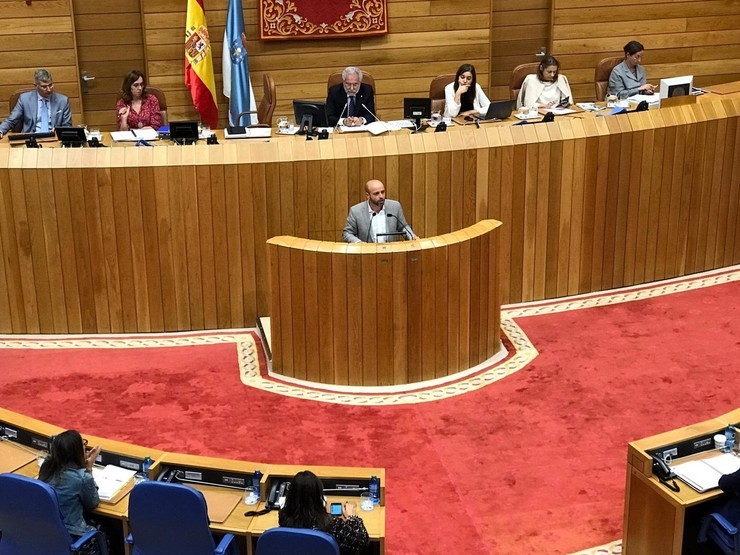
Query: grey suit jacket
[[26, 110], [357, 228]]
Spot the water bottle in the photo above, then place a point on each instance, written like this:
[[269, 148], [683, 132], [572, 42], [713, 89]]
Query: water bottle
[[729, 439], [256, 479], [145, 465], [375, 489]]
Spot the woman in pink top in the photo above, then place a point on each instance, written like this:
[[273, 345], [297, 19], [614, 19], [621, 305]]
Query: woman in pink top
[[135, 108]]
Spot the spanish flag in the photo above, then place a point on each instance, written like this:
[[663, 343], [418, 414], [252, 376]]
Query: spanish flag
[[199, 64]]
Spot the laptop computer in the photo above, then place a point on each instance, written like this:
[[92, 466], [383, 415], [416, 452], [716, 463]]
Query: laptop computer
[[499, 110]]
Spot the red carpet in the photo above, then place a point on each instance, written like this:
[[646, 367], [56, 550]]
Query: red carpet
[[532, 463]]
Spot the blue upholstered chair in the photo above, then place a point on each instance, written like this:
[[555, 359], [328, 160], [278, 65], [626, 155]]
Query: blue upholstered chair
[[723, 534], [172, 519], [280, 541], [30, 521]]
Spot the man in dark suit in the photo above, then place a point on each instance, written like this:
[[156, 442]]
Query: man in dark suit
[[377, 215], [352, 100], [41, 110]]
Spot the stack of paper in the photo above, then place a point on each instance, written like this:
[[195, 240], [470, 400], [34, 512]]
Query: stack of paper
[[143, 134], [704, 474], [113, 482]]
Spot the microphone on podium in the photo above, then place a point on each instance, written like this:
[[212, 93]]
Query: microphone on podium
[[406, 228], [370, 227], [369, 111]]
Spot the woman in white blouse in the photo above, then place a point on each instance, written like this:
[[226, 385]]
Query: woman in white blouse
[[546, 88], [464, 97]]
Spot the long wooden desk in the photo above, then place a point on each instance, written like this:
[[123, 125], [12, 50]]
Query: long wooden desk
[[220, 480], [656, 519], [174, 238]]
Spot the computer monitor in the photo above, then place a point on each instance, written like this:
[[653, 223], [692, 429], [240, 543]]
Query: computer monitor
[[676, 86], [184, 132], [309, 114], [71, 136], [416, 109]]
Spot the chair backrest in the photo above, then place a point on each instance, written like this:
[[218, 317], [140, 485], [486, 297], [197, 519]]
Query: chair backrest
[[336, 78], [518, 75], [169, 518], [601, 75], [279, 541], [437, 91], [30, 521], [162, 99], [268, 102], [13, 101]]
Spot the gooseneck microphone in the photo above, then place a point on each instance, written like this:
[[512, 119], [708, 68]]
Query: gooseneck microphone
[[405, 226], [370, 227], [341, 114], [370, 111]]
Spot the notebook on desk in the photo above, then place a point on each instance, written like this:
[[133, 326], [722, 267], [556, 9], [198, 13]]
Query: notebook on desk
[[704, 474]]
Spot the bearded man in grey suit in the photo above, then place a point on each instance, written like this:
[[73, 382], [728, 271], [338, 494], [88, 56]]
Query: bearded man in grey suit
[[41, 110], [369, 220]]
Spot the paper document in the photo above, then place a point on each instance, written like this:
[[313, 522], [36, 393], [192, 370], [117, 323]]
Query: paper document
[[378, 127], [112, 480], [589, 106], [250, 133], [704, 474], [560, 111], [649, 98], [143, 134]]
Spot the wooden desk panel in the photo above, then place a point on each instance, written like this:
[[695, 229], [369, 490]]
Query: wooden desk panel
[[173, 238]]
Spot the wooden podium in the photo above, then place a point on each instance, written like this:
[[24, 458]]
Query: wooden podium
[[384, 314]]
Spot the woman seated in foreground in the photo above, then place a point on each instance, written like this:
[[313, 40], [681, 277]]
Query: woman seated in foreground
[[68, 469], [545, 89], [135, 108], [304, 508], [464, 96], [628, 78]]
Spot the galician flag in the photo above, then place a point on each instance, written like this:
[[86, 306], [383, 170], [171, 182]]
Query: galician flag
[[199, 64], [237, 84]]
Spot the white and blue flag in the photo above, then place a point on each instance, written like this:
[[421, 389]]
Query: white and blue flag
[[237, 84]]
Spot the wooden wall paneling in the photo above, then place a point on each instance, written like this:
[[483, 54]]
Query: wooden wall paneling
[[324, 289], [481, 309], [220, 236], [340, 306], [260, 233], [136, 232], [633, 206], [298, 310], [475, 300], [193, 270], [11, 247], [111, 259], [553, 219], [150, 226], [443, 332], [164, 234], [284, 282], [207, 243], [589, 177], [370, 317], [234, 240], [663, 251], [732, 169], [617, 157], [427, 288], [399, 323], [384, 310], [276, 324], [541, 167], [577, 135], [355, 324], [698, 197], [311, 295], [248, 250], [122, 239], [529, 213], [452, 302], [716, 192], [518, 199], [413, 291], [621, 208]]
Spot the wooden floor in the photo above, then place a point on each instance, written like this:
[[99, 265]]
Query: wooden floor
[[173, 238]]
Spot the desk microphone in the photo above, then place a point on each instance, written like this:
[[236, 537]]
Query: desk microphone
[[341, 114], [371, 113], [370, 227], [409, 231]]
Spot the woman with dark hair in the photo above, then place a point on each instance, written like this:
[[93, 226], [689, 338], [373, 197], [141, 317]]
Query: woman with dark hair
[[305, 508], [135, 108], [628, 78], [68, 469], [546, 88], [464, 96]]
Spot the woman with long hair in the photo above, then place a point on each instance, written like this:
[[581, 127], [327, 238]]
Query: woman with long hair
[[68, 469], [546, 88], [135, 107], [464, 96], [305, 508]]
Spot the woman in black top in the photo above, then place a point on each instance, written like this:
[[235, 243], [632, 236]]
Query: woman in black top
[[305, 508]]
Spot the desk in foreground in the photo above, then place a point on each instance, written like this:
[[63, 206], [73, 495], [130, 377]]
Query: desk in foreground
[[656, 519]]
